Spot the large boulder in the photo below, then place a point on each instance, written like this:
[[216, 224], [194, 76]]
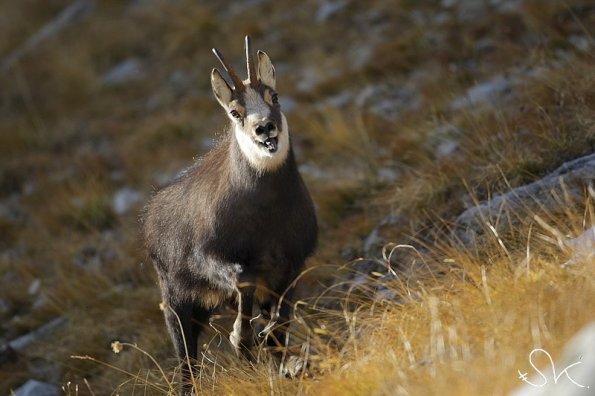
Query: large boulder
[[36, 388], [503, 211]]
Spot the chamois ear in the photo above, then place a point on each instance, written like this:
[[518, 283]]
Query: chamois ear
[[221, 89], [266, 70]]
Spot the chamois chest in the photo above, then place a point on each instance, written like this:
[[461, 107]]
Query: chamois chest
[[272, 220]]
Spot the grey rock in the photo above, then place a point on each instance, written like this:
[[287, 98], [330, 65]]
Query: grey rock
[[466, 10], [124, 72], [339, 100], [388, 101], [348, 253], [11, 209], [124, 199], [485, 44], [440, 18], [385, 294], [22, 342], [37, 388], [328, 9], [39, 302], [377, 238], [579, 379], [507, 5], [569, 180], [313, 171], [154, 102], [444, 140], [34, 286], [360, 54], [373, 278], [446, 148], [469, 10], [582, 43], [388, 174], [486, 92], [373, 243], [582, 247]]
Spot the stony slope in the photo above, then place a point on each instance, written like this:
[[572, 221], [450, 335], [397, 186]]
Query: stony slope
[[404, 114]]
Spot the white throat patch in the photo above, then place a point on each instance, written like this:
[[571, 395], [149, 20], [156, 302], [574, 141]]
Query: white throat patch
[[262, 160]]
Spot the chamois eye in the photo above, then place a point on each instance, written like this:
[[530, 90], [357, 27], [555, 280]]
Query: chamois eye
[[235, 114], [275, 98]]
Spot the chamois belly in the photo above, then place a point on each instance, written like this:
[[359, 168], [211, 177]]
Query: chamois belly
[[216, 278], [264, 250]]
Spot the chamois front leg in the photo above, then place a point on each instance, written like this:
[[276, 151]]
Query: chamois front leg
[[242, 337]]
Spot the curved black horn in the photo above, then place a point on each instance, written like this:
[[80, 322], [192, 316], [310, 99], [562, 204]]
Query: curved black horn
[[252, 78], [237, 81]]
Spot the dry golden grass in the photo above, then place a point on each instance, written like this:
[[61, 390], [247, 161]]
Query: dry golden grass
[[464, 328], [472, 327]]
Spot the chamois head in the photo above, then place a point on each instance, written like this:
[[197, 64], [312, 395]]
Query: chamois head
[[259, 126]]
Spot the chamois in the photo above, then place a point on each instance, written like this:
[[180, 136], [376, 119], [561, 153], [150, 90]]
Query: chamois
[[237, 226]]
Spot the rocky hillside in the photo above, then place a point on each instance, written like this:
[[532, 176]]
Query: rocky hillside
[[448, 146]]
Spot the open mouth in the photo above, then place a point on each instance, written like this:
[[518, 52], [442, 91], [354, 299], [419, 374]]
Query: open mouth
[[270, 144]]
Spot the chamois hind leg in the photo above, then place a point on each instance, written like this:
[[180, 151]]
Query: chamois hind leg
[[277, 318], [242, 336], [178, 317], [200, 319], [291, 365], [280, 312]]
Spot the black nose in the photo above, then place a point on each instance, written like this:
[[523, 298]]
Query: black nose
[[266, 128]]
